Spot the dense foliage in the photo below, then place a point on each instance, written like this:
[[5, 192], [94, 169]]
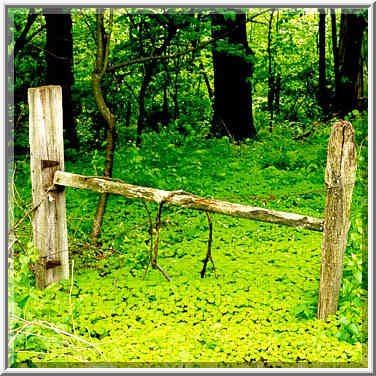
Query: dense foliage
[[261, 310]]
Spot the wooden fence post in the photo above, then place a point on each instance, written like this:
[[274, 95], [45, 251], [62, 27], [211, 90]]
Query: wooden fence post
[[340, 179], [46, 157]]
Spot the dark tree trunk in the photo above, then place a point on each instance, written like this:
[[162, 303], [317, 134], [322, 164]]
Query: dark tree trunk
[[277, 93], [322, 97], [335, 51], [271, 92], [350, 46], [360, 80], [59, 58], [232, 86], [176, 91]]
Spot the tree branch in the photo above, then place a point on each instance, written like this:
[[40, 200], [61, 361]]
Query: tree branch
[[146, 59], [159, 57], [107, 39], [21, 40], [34, 34]]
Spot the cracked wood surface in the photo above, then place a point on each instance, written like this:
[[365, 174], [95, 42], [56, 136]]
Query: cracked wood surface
[[188, 200], [46, 156], [340, 179]]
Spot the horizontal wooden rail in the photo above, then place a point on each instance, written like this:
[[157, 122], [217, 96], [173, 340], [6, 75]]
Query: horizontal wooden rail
[[187, 200]]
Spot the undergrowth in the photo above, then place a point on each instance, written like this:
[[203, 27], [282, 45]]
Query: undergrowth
[[259, 312]]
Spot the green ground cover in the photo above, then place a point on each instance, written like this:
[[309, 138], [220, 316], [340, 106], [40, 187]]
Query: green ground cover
[[259, 312]]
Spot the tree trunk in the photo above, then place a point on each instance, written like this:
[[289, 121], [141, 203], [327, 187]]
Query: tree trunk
[[232, 86], [359, 81], [322, 97], [270, 74], [350, 46], [335, 52], [176, 91], [277, 93], [103, 42], [59, 58]]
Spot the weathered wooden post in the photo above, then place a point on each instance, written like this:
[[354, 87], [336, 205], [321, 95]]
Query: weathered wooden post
[[46, 157], [340, 179]]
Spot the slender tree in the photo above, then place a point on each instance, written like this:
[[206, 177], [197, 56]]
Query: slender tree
[[271, 84], [322, 94], [232, 74], [59, 58], [103, 38], [335, 51]]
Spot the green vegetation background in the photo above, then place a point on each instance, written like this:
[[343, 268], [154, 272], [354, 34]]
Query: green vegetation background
[[261, 310]]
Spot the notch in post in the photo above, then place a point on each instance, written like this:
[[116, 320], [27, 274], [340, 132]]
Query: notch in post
[[45, 163], [46, 157]]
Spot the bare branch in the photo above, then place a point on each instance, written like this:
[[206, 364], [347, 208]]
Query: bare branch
[[21, 40], [208, 254], [151, 239], [259, 14], [146, 59], [160, 57], [47, 325]]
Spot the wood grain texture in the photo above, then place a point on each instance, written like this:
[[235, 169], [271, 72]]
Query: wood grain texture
[[49, 220], [187, 200], [340, 179]]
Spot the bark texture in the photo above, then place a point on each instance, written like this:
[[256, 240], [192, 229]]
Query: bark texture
[[101, 63], [59, 58], [335, 51], [349, 55], [187, 200], [232, 86], [47, 156], [322, 95], [340, 179]]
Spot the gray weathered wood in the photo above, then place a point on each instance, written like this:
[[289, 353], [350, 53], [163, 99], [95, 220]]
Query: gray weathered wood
[[46, 157], [187, 200], [340, 179]]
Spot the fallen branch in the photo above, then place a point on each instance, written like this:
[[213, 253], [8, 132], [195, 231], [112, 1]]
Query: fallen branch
[[188, 200]]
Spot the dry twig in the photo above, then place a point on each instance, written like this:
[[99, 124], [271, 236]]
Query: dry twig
[[70, 300], [151, 239], [208, 254], [47, 325]]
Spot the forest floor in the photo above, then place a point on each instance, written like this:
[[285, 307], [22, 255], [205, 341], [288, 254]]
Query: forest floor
[[261, 309]]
